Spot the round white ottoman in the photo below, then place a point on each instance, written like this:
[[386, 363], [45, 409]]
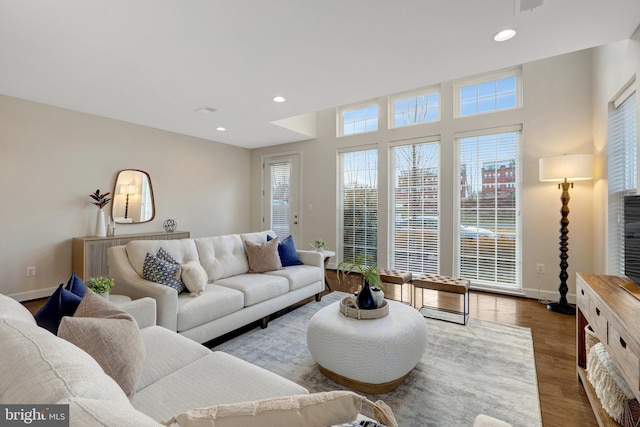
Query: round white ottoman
[[374, 355]]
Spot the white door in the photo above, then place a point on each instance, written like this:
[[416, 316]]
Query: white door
[[281, 195]]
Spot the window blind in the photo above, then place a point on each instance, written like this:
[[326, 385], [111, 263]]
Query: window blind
[[487, 203], [622, 173], [359, 204], [280, 199], [415, 207]]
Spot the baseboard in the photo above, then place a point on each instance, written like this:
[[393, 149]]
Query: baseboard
[[31, 295]]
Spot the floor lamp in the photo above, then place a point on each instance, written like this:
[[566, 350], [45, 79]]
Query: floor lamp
[[565, 170]]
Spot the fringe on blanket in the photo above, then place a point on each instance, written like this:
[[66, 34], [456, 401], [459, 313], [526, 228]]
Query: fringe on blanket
[[610, 387]]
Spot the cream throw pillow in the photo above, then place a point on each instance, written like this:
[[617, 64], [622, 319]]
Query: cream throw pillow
[[110, 335], [317, 409], [194, 277], [263, 257]]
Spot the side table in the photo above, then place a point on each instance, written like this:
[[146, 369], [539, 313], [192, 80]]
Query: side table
[[327, 254]]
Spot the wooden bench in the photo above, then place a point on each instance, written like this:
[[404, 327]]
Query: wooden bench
[[397, 277], [453, 285]]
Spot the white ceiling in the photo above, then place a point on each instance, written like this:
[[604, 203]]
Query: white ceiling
[[154, 62]]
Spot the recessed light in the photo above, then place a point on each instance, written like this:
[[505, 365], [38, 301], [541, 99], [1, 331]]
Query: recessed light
[[221, 129], [278, 99], [505, 35]]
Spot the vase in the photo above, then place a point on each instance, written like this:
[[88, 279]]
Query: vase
[[378, 295], [101, 228], [365, 298], [105, 295]]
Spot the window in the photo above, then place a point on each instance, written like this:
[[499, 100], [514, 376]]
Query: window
[[421, 107], [488, 240], [358, 182], [358, 120], [499, 92], [415, 204], [622, 155]]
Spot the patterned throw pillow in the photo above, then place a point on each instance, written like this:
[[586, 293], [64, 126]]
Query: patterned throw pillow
[[160, 271]]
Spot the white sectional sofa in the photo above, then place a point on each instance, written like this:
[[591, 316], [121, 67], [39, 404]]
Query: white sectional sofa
[[233, 297], [37, 367]]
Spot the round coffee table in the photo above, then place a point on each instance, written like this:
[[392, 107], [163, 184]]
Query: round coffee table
[[372, 356]]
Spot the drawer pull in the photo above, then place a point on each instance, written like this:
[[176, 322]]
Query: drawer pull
[[582, 291], [623, 343], [597, 311]]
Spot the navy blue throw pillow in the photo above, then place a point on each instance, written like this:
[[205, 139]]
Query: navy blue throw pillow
[[287, 252], [61, 303], [76, 285]]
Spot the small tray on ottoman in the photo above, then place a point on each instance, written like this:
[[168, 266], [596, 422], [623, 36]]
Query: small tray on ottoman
[[349, 308]]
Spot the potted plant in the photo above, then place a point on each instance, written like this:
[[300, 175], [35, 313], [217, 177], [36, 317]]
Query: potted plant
[[318, 245], [100, 200], [100, 285], [370, 273]]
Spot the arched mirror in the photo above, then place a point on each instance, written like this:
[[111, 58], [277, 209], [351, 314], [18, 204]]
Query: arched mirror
[[132, 197]]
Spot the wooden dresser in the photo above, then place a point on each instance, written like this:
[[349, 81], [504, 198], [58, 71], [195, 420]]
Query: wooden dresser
[[89, 254], [614, 314]]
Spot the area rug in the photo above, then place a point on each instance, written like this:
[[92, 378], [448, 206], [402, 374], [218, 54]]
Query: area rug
[[483, 367]]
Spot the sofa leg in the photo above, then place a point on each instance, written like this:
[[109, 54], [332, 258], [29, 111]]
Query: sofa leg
[[318, 297], [265, 322]]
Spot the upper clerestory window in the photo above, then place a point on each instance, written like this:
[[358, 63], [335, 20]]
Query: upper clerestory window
[[493, 93], [415, 108], [361, 119]]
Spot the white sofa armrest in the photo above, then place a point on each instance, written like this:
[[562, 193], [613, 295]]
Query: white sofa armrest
[[143, 310], [127, 282], [311, 258]]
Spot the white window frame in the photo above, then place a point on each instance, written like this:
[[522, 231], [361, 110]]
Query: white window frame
[[340, 201], [479, 284], [340, 111], [484, 78], [436, 139], [392, 99], [623, 183]]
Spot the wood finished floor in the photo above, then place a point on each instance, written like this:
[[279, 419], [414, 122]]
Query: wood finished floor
[[562, 399]]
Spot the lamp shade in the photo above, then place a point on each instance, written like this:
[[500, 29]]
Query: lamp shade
[[128, 189], [572, 167]]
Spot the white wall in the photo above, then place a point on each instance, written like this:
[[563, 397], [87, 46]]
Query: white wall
[[614, 66], [52, 158], [556, 119]]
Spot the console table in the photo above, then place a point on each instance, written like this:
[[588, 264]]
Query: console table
[[89, 254], [612, 313]]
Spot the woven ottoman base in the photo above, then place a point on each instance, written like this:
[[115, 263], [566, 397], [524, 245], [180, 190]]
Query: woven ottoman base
[[360, 386]]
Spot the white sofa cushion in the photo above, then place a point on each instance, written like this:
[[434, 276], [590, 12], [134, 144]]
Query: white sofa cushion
[[317, 409], [299, 276], [91, 412], [39, 367], [256, 287], [215, 302], [166, 352], [231, 380], [222, 256], [12, 309], [182, 250]]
